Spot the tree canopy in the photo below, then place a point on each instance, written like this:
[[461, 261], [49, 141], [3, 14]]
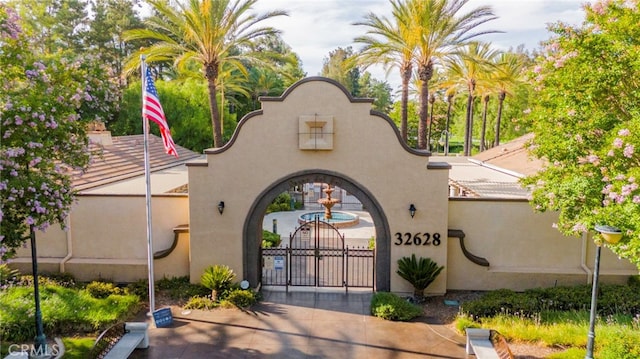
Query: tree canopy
[[43, 133], [586, 122]]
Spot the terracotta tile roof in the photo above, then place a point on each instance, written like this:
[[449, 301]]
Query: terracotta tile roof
[[511, 156], [122, 157]]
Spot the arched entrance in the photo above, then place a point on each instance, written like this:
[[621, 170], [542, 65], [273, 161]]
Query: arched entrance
[[253, 224]]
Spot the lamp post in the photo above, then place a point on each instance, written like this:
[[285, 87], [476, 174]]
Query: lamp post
[[610, 235], [40, 339]]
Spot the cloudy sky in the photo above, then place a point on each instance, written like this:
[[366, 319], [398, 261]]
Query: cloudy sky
[[316, 27]]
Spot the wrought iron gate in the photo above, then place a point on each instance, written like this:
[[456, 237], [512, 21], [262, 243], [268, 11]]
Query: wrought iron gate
[[316, 256]]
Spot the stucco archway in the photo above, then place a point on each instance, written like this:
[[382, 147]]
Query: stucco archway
[[253, 224], [315, 132]]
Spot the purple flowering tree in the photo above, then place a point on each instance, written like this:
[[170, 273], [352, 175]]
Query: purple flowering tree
[[587, 124], [42, 137]]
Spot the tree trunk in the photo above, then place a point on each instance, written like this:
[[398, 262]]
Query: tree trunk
[[501, 98], [211, 74], [432, 101], [484, 122], [406, 77], [446, 129], [468, 135], [425, 73]]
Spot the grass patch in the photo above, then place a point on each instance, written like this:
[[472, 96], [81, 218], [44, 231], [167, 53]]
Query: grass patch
[[78, 348], [559, 317], [65, 311]]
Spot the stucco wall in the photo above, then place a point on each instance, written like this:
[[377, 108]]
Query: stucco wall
[[264, 149], [109, 239], [523, 249]]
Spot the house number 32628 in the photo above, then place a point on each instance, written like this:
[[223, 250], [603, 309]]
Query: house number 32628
[[417, 239]]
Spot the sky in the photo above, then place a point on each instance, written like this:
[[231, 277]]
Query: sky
[[316, 27]]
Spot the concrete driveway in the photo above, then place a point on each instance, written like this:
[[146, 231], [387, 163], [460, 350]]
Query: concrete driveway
[[301, 324]]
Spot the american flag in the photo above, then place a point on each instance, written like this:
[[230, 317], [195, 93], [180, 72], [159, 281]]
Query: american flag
[[152, 110]]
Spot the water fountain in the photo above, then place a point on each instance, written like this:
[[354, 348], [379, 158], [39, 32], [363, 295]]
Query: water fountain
[[328, 202], [336, 218]]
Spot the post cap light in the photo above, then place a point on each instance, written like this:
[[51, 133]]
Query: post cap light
[[609, 233], [412, 210], [221, 207]]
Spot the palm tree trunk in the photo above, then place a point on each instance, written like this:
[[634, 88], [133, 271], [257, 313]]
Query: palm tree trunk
[[501, 97], [432, 101], [423, 113], [425, 72], [406, 77], [215, 113], [446, 138], [484, 122], [468, 136], [468, 130]]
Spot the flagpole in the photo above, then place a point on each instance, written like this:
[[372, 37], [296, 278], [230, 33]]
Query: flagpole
[[147, 175]]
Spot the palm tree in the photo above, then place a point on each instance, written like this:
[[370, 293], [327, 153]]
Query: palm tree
[[432, 101], [485, 101], [509, 67], [216, 34], [441, 28], [450, 94], [466, 67], [390, 43]]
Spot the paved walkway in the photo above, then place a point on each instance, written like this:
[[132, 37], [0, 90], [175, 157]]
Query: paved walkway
[[318, 324]]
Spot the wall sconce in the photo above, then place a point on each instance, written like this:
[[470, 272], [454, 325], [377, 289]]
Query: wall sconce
[[412, 210], [221, 207]]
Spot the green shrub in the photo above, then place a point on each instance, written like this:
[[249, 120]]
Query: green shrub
[[622, 345], [218, 279], [241, 298], [372, 243], [419, 272], [7, 275], [202, 303], [46, 279], [180, 288], [65, 279], [634, 281], [463, 322], [270, 239], [102, 290], [391, 307], [281, 203], [139, 288], [612, 300]]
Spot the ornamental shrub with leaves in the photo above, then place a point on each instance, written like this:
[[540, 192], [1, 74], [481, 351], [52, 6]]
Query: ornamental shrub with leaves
[[586, 122], [219, 278], [419, 272]]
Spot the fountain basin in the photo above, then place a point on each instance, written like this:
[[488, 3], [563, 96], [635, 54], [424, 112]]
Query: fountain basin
[[339, 219]]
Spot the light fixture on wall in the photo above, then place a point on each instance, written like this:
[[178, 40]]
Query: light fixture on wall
[[412, 210], [221, 207]]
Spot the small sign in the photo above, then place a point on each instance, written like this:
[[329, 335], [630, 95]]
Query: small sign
[[268, 262], [278, 262], [305, 233]]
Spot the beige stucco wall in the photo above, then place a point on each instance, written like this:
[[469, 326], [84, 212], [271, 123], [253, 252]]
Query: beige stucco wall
[[523, 249], [108, 239], [366, 149]]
